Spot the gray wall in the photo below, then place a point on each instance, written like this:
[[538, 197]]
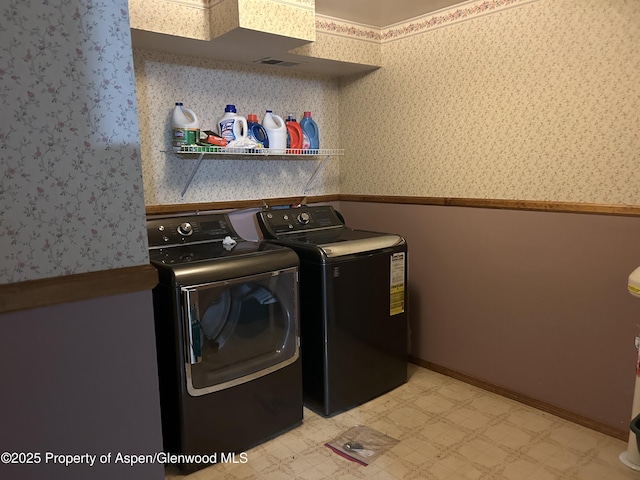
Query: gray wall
[[80, 378], [535, 302]]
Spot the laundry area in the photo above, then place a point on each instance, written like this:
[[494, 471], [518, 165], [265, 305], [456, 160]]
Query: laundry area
[[269, 239], [247, 332]]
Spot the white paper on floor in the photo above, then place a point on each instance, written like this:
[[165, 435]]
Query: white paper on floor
[[361, 444]]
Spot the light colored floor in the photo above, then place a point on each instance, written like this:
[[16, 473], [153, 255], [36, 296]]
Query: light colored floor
[[445, 429]]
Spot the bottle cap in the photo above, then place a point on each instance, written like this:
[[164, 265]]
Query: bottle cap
[[252, 117], [230, 108], [307, 114]]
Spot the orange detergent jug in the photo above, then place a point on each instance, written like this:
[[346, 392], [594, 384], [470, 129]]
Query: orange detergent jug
[[294, 135]]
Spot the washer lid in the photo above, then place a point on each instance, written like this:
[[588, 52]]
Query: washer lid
[[369, 244], [343, 241]]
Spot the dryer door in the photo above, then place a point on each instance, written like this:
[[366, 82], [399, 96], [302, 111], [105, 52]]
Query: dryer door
[[240, 329]]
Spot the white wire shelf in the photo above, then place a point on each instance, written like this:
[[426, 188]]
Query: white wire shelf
[[262, 152], [211, 151]]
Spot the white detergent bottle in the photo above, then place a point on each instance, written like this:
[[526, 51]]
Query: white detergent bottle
[[185, 128], [276, 131], [232, 127]]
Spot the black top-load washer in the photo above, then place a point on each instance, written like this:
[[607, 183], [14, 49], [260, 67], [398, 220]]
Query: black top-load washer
[[353, 305], [227, 335]]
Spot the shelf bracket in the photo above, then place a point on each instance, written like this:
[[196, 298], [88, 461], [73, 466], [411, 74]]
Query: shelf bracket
[[241, 152], [318, 169], [192, 174]]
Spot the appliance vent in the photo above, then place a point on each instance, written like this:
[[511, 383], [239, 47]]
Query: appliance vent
[[275, 61]]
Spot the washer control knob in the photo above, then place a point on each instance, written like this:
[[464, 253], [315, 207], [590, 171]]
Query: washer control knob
[[304, 218], [185, 229]]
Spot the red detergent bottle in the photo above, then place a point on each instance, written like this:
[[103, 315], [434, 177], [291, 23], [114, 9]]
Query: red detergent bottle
[[294, 135]]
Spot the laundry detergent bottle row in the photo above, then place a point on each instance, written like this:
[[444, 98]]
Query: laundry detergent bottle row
[[185, 127], [276, 130], [310, 133], [232, 127], [257, 132]]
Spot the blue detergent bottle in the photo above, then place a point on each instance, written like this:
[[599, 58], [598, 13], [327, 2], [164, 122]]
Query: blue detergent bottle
[[257, 132], [310, 133]]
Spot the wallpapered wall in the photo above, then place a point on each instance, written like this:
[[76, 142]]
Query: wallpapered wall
[[538, 102], [70, 180], [512, 99], [206, 87], [535, 100]]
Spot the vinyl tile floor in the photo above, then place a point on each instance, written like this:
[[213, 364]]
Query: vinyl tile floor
[[446, 430]]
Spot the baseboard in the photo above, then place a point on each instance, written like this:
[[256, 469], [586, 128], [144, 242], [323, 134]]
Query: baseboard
[[524, 399]]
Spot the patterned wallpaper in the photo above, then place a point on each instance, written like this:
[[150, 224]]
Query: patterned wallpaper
[[343, 48], [183, 18], [280, 18], [540, 101], [522, 100], [71, 183], [511, 99]]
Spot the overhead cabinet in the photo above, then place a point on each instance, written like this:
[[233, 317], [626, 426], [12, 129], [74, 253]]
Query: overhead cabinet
[[273, 32]]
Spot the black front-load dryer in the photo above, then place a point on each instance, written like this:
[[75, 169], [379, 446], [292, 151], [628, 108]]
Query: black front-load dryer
[[353, 305], [227, 336]]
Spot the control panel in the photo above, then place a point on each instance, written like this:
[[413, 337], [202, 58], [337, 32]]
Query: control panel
[[164, 232], [275, 222]]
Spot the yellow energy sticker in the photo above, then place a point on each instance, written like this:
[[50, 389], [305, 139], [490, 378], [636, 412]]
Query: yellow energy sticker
[[396, 291]]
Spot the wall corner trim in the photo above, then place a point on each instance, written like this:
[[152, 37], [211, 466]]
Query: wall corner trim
[[71, 288], [504, 204], [495, 203]]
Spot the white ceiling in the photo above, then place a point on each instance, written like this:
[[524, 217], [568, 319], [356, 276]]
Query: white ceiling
[[380, 13]]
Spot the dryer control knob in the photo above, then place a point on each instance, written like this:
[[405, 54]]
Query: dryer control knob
[[304, 218], [185, 229]]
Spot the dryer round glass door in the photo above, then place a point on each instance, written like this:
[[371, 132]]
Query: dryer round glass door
[[240, 329]]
